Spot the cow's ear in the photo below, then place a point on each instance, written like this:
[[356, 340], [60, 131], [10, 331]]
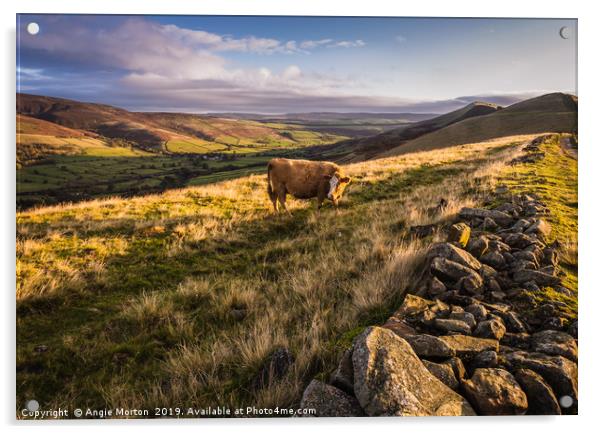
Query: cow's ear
[[345, 180]]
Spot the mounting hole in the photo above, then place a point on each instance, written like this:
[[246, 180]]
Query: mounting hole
[[565, 32], [32, 405], [566, 401], [33, 28]]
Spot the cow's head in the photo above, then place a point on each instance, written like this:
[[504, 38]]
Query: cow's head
[[336, 186]]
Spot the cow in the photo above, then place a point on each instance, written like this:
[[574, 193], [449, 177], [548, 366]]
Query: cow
[[304, 179]]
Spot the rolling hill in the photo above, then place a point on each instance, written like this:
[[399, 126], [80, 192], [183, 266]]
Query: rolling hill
[[365, 148], [555, 112], [168, 132]]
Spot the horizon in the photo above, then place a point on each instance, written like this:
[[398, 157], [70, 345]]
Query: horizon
[[292, 65]]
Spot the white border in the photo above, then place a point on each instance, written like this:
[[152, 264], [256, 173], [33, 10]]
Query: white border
[[589, 175]]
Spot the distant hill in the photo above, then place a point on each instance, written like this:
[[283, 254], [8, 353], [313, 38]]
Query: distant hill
[[361, 124], [366, 148], [555, 112], [168, 132]]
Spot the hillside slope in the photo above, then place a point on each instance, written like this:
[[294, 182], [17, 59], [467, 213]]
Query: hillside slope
[[556, 112], [168, 132], [363, 149], [180, 298]]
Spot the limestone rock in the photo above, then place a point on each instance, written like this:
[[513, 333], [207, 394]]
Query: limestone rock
[[452, 325], [492, 329], [389, 379], [555, 343], [523, 276], [478, 246], [494, 391], [450, 271], [328, 401], [540, 228], [459, 233], [453, 253], [469, 345], [539, 395], [559, 372], [342, 377], [499, 217], [429, 346], [443, 372]]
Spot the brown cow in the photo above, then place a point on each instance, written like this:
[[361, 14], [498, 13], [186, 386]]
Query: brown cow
[[304, 180]]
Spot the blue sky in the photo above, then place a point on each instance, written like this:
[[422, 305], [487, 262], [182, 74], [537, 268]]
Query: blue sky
[[293, 64]]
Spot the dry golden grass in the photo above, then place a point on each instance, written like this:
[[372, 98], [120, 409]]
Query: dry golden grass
[[219, 283]]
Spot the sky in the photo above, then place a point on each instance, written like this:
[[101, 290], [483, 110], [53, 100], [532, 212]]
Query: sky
[[204, 64]]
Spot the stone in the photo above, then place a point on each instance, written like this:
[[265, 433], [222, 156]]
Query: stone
[[518, 240], [489, 224], [429, 346], [523, 276], [491, 329], [275, 367], [390, 380], [423, 231], [573, 329], [413, 305], [555, 343], [452, 326], [477, 246], [469, 346], [550, 256], [540, 228], [467, 317], [520, 225], [526, 255], [539, 394], [517, 340], [501, 218], [513, 322], [484, 359], [328, 401], [399, 326], [559, 372], [450, 271], [436, 287], [443, 372], [459, 233], [478, 311], [494, 391], [342, 377], [457, 365], [471, 284], [487, 271], [455, 254], [495, 259]]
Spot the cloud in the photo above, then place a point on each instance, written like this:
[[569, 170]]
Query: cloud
[[401, 39], [347, 44]]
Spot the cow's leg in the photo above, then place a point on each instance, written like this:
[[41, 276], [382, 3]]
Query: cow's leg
[[274, 199], [282, 200]]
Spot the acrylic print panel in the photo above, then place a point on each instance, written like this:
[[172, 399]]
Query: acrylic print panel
[[247, 216]]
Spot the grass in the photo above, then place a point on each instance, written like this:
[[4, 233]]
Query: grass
[[177, 299], [555, 180]]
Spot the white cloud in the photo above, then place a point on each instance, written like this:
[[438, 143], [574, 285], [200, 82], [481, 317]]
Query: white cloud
[[401, 39]]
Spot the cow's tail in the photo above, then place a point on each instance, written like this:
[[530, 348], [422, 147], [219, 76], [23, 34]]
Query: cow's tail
[[270, 190]]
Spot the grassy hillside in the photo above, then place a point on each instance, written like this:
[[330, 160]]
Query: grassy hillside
[[556, 112], [179, 298], [362, 149], [169, 132]]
